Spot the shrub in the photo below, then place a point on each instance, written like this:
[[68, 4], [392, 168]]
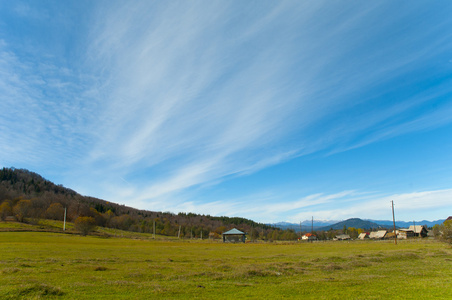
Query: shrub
[[55, 211], [22, 209], [5, 210], [444, 231], [85, 225]]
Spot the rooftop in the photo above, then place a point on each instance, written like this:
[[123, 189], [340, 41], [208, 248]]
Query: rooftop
[[233, 231]]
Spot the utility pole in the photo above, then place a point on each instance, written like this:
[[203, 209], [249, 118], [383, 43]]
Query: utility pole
[[312, 225], [300, 228], [154, 229], [64, 224], [393, 220], [178, 235]]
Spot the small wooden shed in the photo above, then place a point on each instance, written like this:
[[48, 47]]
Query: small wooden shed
[[233, 236]]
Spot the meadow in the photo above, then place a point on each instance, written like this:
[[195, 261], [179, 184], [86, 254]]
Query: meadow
[[37, 265]]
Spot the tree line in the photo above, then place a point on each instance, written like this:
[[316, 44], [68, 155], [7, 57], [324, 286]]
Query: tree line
[[27, 197]]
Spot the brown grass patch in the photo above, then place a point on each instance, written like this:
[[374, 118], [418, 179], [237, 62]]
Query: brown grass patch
[[40, 290], [332, 267]]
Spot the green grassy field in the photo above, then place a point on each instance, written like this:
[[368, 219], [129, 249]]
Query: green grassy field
[[35, 265]]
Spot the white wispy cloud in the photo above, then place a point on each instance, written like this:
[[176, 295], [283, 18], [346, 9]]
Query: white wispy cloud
[[200, 96], [338, 206], [42, 118], [164, 98], [408, 206], [166, 103]]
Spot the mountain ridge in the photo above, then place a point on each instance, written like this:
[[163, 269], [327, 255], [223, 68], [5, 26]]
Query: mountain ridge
[[325, 225]]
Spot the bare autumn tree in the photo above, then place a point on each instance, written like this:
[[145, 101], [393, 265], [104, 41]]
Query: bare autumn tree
[[85, 225], [55, 211], [22, 209], [98, 217], [5, 210]]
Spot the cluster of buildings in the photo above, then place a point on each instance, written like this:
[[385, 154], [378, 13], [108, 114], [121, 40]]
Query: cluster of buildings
[[237, 236], [412, 231]]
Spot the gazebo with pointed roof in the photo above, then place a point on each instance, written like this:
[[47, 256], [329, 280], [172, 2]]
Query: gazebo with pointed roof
[[234, 236]]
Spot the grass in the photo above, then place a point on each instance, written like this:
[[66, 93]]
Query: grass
[[36, 265], [36, 225], [45, 225]]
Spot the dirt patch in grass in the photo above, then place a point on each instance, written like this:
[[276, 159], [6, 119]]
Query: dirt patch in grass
[[376, 260], [100, 268], [335, 259], [224, 268], [332, 267], [121, 283], [10, 270], [359, 264], [25, 266], [437, 253], [242, 284], [315, 260], [83, 284], [253, 273], [40, 290], [135, 275], [329, 279], [402, 256], [261, 273], [208, 275]]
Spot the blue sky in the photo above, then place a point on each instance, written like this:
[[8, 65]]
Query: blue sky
[[268, 110]]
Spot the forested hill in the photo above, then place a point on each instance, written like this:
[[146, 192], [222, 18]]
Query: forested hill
[[27, 195]]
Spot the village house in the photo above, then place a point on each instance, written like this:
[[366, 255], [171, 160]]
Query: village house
[[342, 237], [309, 237], [413, 231], [405, 233], [419, 230], [390, 235], [378, 235], [363, 235]]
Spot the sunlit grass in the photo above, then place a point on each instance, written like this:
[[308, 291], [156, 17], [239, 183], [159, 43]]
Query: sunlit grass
[[36, 264]]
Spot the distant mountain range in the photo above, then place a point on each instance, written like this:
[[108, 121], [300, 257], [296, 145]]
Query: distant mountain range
[[403, 224], [321, 225], [303, 226]]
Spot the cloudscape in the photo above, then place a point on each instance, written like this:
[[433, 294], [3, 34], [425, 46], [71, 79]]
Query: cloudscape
[[268, 110]]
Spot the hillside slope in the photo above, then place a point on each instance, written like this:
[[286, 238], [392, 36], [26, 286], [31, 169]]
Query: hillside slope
[[27, 195]]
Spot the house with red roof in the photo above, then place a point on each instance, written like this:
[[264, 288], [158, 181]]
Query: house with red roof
[[309, 237]]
